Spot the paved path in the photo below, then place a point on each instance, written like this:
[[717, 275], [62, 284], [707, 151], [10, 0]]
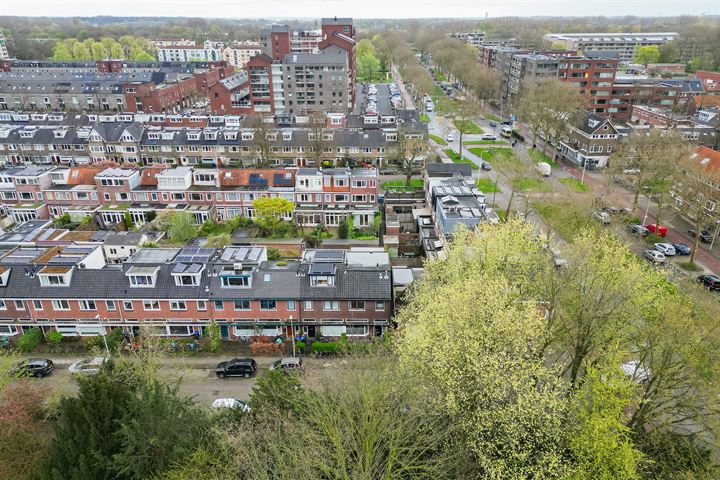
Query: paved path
[[407, 98]]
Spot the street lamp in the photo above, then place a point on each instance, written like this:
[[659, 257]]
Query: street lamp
[[292, 338], [717, 231], [97, 317], [582, 178]]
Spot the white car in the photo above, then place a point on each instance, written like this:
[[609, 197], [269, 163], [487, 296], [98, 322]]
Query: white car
[[88, 366], [489, 136], [450, 137], [666, 249], [233, 403], [654, 256], [602, 217]]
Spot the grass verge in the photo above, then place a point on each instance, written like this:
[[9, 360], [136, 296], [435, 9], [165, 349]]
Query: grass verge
[[485, 142], [438, 139], [575, 184], [567, 218], [470, 127], [487, 185], [532, 184], [690, 267], [539, 156], [424, 118], [455, 157]]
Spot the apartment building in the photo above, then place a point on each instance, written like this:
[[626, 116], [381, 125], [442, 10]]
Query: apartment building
[[317, 82], [689, 128], [593, 76], [178, 291], [189, 53], [624, 44], [526, 68], [239, 55], [4, 55], [476, 39], [305, 41]]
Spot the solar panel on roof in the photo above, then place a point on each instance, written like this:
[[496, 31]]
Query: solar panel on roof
[[255, 253], [179, 268], [195, 268], [227, 254]]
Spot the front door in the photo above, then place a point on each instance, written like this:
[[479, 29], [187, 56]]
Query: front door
[[224, 332], [378, 330], [311, 331]]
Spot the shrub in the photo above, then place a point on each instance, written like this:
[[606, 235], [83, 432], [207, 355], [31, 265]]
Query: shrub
[[273, 254], [300, 346], [515, 134], [213, 331], [30, 340], [630, 219], [54, 337], [343, 229], [326, 348], [113, 339], [263, 348]]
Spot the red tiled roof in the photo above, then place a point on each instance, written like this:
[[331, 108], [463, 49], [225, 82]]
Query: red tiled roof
[[706, 160], [706, 100], [148, 175], [710, 80], [240, 177], [83, 175]]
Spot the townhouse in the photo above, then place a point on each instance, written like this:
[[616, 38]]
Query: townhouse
[[178, 291], [590, 141]]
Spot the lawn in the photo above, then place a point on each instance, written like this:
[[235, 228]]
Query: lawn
[[399, 185], [470, 127], [495, 156], [492, 117], [485, 142], [425, 118], [439, 75], [532, 183], [437, 139], [575, 184], [565, 217], [487, 185], [455, 157], [539, 156]]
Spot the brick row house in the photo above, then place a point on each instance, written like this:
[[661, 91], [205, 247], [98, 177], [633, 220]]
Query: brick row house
[[177, 291]]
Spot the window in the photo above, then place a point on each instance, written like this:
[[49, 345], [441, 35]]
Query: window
[[19, 305], [357, 305], [128, 305], [37, 305], [60, 305], [267, 305], [322, 280], [187, 280], [331, 305], [219, 305], [141, 280], [87, 305], [2, 305], [242, 305], [201, 305], [351, 330], [178, 305], [110, 304], [308, 305], [151, 305], [235, 281], [379, 306], [291, 305], [52, 280]]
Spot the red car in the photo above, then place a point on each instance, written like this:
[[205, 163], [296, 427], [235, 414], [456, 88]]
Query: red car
[[660, 230]]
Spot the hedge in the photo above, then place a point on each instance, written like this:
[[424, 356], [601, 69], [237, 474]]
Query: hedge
[[326, 347], [517, 135], [30, 340]]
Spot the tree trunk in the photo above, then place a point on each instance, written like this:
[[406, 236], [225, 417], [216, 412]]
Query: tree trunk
[[696, 245], [509, 205]]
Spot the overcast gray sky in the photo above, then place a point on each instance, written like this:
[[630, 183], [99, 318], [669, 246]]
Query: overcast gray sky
[[356, 8]]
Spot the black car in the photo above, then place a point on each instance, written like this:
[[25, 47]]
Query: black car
[[711, 282], [681, 249], [705, 236], [33, 367], [493, 124], [237, 367], [486, 166]]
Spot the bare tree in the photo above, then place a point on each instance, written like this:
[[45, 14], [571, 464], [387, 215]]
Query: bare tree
[[260, 140], [410, 149]]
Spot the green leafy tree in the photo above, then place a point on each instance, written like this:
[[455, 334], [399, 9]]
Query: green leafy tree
[[181, 227], [62, 53], [269, 212], [85, 441], [277, 392], [647, 54]]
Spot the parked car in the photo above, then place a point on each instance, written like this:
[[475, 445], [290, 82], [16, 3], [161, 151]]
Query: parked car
[[33, 367], [705, 236], [237, 367], [682, 249], [660, 230], [638, 230], [493, 124], [486, 166], [611, 210], [489, 136], [288, 364], [711, 282], [626, 211], [602, 217], [232, 403], [631, 171], [88, 366], [450, 137], [665, 248], [654, 256]]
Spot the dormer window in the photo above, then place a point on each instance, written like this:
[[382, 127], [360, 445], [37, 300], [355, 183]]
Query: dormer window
[[187, 275], [154, 135], [271, 136], [247, 136], [210, 135], [193, 135], [55, 276], [236, 277], [230, 135], [287, 136], [4, 276], [142, 276], [128, 138], [322, 275], [95, 137]]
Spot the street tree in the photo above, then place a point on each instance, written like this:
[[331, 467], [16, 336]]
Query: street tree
[[270, 212], [518, 168], [316, 134], [654, 155], [697, 197], [465, 112]]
